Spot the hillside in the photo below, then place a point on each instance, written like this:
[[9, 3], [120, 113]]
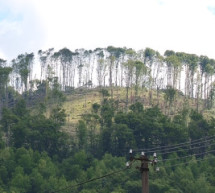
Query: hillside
[[58, 138], [80, 103], [36, 153]]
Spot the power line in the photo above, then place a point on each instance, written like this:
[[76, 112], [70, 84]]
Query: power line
[[176, 146], [87, 181], [188, 149], [179, 144], [149, 150], [164, 160], [144, 161], [185, 162], [195, 143]]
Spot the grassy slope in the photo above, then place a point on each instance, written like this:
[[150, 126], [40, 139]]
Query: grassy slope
[[81, 102], [78, 104]]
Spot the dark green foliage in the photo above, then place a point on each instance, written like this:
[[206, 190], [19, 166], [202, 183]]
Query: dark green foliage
[[136, 108], [106, 139], [149, 54], [107, 112], [23, 66], [37, 132], [4, 76], [198, 126], [4, 79], [95, 107], [104, 93], [211, 97], [169, 53], [170, 94], [82, 134], [56, 95], [117, 52], [121, 138], [204, 61], [58, 116], [38, 157]]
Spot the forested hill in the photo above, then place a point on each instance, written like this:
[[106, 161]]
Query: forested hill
[[112, 66], [124, 100]]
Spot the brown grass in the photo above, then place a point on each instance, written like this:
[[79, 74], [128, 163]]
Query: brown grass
[[81, 103]]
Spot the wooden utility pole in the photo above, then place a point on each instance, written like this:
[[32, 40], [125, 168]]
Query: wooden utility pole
[[144, 169]]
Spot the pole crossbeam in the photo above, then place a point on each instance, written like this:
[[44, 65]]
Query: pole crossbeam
[[144, 169]]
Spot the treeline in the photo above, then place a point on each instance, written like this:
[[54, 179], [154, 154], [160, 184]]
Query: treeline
[[36, 155], [112, 67]]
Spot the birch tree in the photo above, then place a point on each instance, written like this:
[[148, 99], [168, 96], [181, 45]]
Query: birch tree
[[140, 70], [128, 70], [65, 57], [23, 66], [4, 79]]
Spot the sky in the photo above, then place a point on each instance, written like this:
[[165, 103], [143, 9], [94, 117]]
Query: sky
[[179, 25]]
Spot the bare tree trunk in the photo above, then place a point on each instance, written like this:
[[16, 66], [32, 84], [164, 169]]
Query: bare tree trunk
[[110, 80], [126, 103]]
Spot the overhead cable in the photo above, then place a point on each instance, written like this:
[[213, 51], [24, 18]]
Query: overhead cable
[[204, 139], [196, 154], [87, 181]]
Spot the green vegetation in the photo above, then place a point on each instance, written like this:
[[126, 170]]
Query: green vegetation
[[55, 138], [36, 156]]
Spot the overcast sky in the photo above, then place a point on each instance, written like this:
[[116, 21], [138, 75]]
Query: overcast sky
[[179, 25]]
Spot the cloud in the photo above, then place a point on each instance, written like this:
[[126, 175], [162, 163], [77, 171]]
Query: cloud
[[20, 30], [8, 27], [180, 25], [211, 9], [160, 24], [2, 56], [94, 23]]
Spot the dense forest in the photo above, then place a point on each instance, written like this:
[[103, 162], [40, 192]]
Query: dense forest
[[38, 156]]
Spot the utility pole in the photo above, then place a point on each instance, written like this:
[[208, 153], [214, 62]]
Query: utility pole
[[144, 169]]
